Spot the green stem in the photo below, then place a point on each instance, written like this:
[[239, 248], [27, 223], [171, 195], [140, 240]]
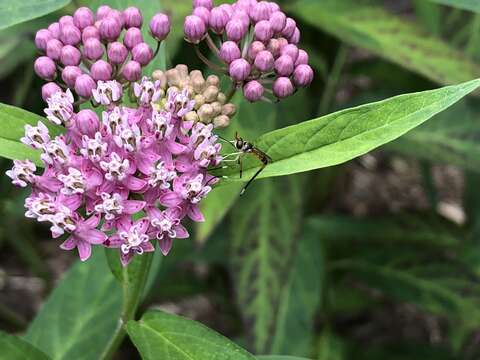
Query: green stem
[[333, 79], [132, 295], [231, 92]]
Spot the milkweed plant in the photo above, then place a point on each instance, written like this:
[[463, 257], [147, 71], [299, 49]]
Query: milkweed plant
[[126, 154]]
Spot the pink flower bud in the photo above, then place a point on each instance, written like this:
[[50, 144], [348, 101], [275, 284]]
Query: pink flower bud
[[253, 91], [264, 61], [289, 28], [203, 13], [70, 35], [228, 10], [101, 70], [142, 53], [302, 58], [194, 29], [83, 17], [205, 3], [282, 42], [274, 47], [290, 50], [283, 87], [110, 29], [261, 11], [278, 21], [239, 69], [66, 20], [84, 86], [295, 38], [132, 17], [70, 55], [70, 75], [41, 39], [93, 49], [117, 15], [254, 49], [54, 49], [263, 30], [303, 75], [245, 5], [90, 32], [274, 7], [54, 29], [117, 53], [132, 71], [45, 68], [103, 11], [87, 122], [160, 26], [236, 29], [132, 38], [49, 89], [284, 65], [218, 19], [242, 16], [229, 51]]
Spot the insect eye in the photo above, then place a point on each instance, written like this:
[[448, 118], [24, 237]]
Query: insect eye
[[239, 144]]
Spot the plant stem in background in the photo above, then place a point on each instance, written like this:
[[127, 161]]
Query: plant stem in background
[[133, 287], [333, 79]]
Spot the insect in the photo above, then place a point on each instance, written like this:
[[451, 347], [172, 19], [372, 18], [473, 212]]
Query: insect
[[244, 147]]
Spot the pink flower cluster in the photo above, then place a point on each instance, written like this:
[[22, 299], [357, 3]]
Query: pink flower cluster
[[123, 180], [256, 41], [85, 48]]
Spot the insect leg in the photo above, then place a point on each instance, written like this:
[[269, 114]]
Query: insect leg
[[240, 163], [253, 178]]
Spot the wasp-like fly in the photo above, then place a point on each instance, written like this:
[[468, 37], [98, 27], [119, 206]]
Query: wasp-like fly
[[244, 147]]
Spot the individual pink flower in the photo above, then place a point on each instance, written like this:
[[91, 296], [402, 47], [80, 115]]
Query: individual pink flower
[[83, 236]]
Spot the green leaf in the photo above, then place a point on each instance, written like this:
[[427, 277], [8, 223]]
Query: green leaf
[[472, 5], [451, 137], [148, 8], [14, 12], [159, 335], [262, 253], [300, 298], [278, 357], [81, 314], [389, 36], [13, 120], [344, 135], [14, 348], [330, 347]]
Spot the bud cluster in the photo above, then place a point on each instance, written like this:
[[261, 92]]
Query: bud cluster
[[79, 50], [211, 105], [257, 44], [101, 174]]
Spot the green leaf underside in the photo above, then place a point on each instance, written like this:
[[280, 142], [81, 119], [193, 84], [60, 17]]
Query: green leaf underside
[[159, 335], [451, 137], [81, 314], [14, 12], [347, 134], [14, 348], [300, 298], [262, 253], [389, 36], [472, 5], [13, 121]]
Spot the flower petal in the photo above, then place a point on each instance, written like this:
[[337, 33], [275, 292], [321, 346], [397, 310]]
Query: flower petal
[[181, 232], [84, 250], [170, 199], [133, 206], [93, 236], [134, 184], [165, 245], [69, 244], [195, 214]]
